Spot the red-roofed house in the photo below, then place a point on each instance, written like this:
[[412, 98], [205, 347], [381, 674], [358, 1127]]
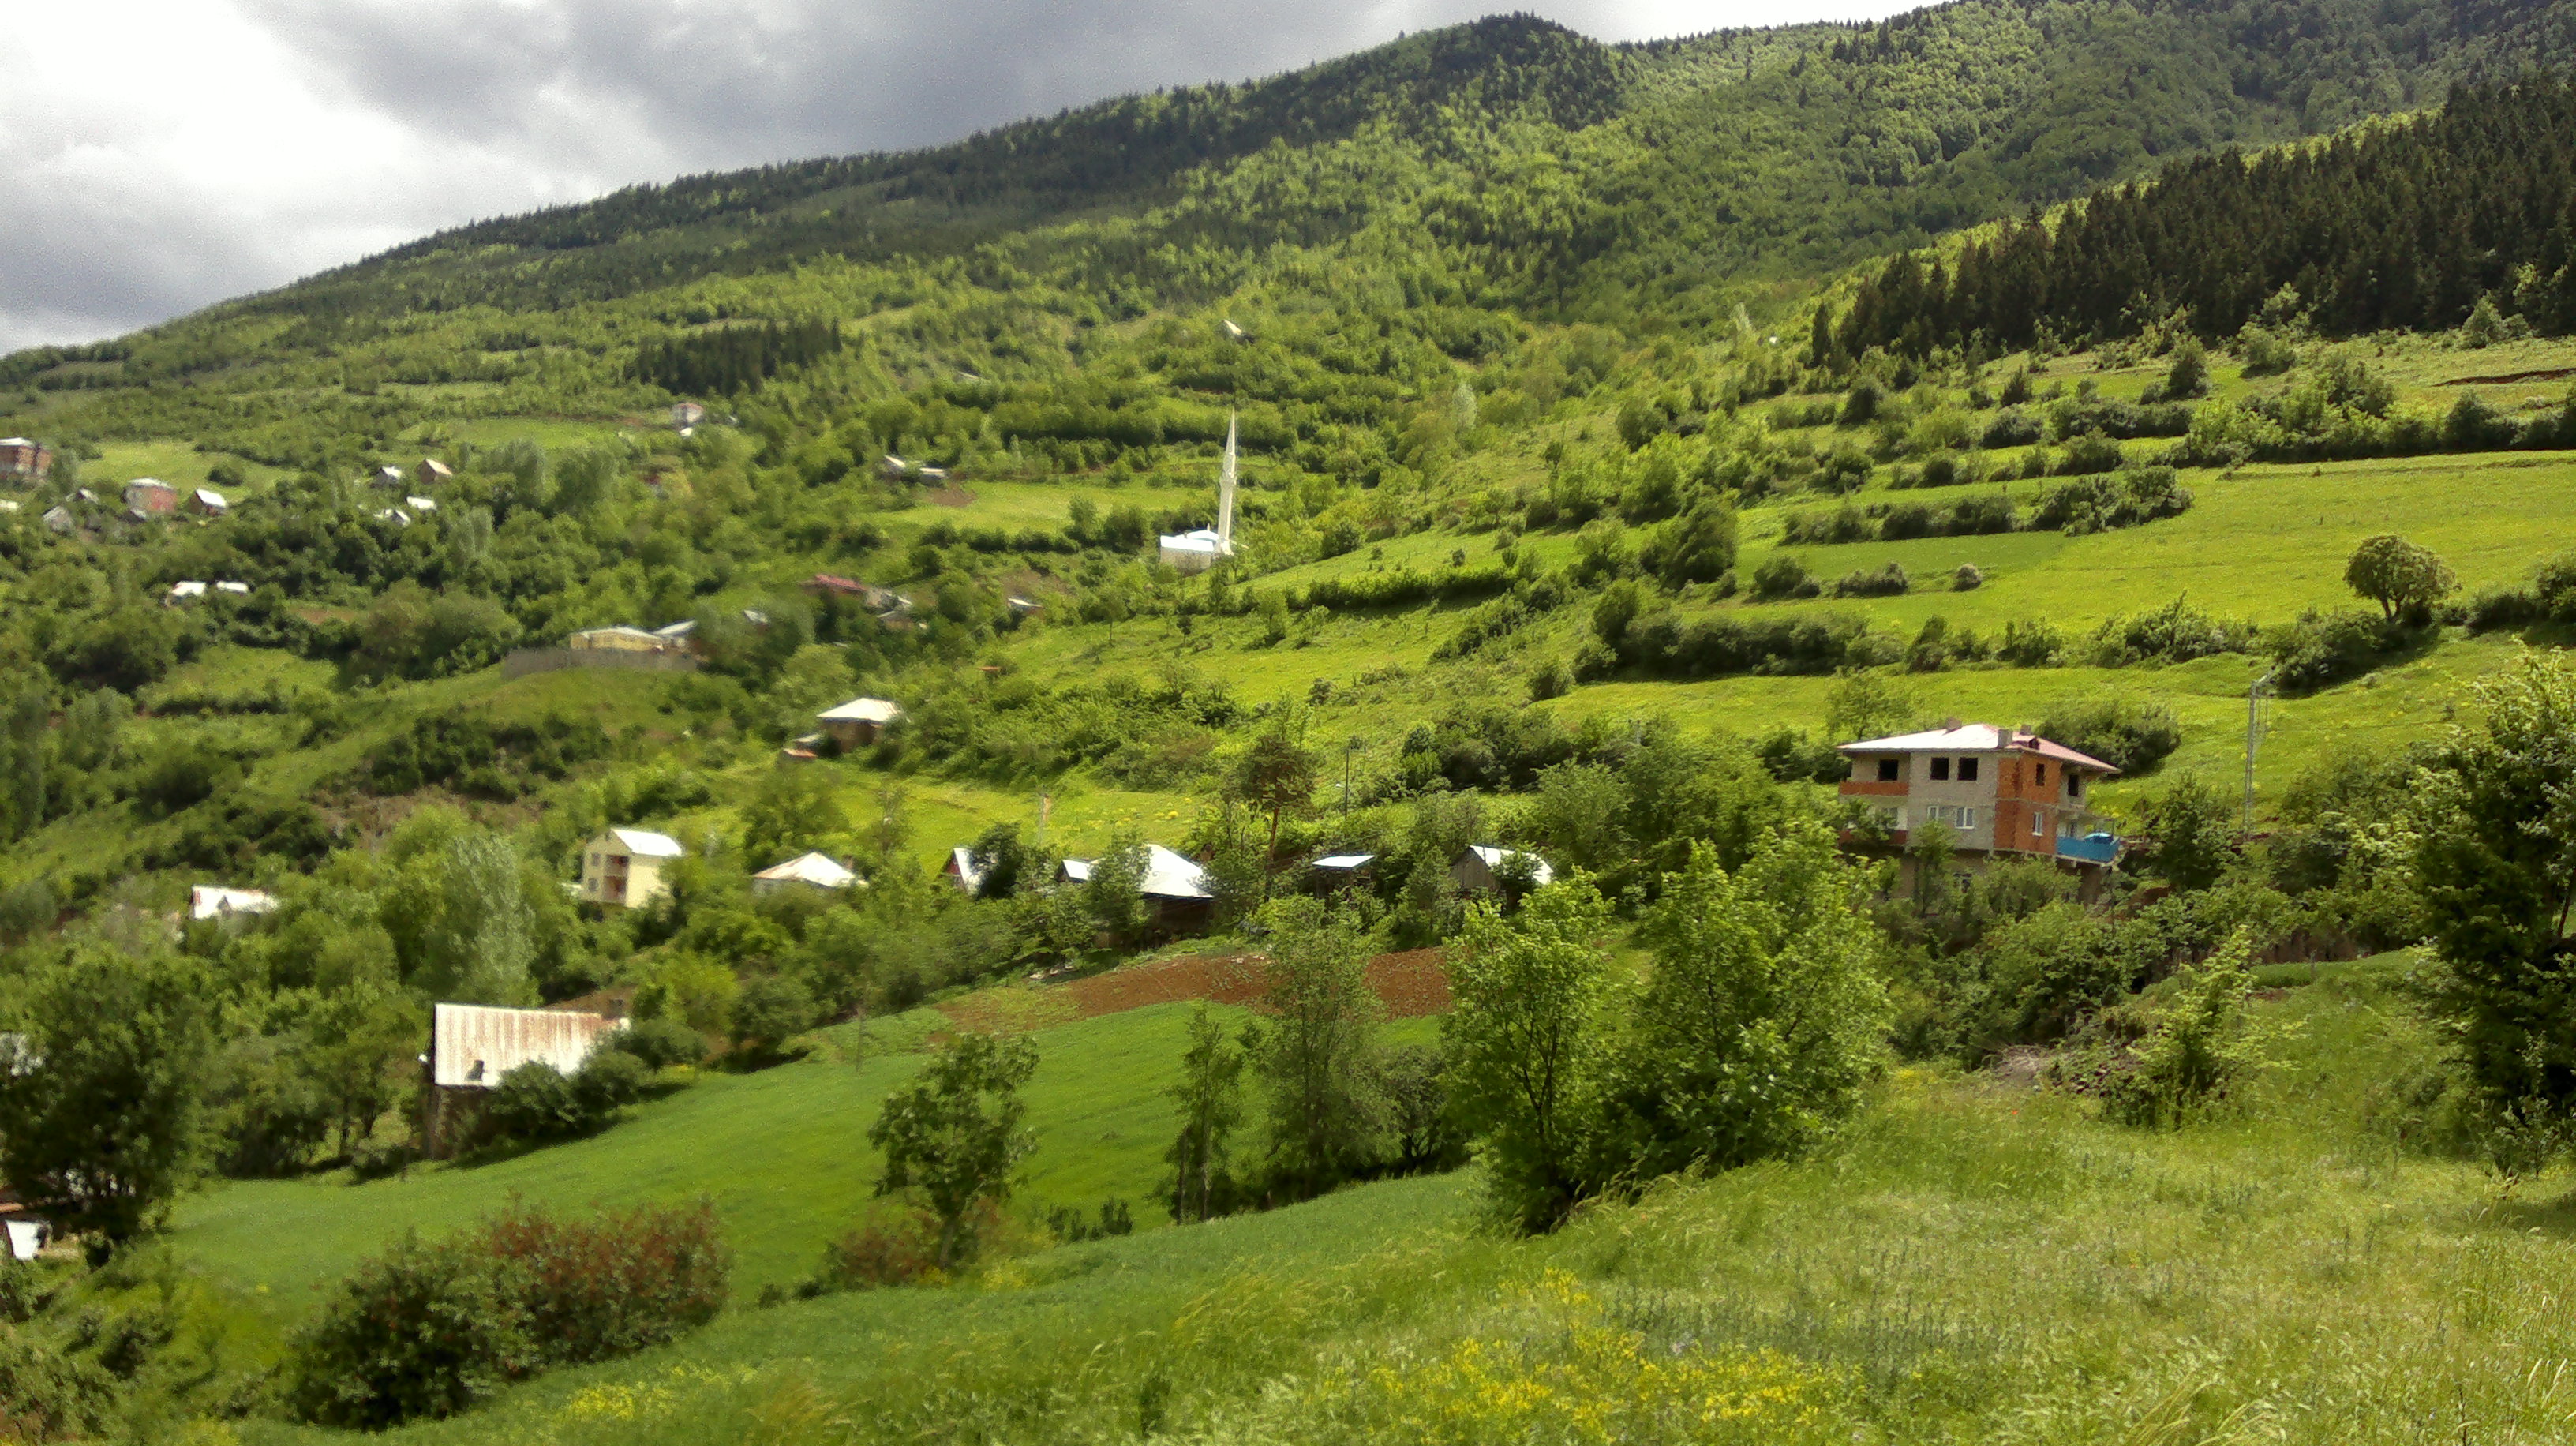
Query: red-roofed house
[[2002, 792]]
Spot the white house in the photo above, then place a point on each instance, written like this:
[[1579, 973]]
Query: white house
[[1482, 868], [811, 870], [622, 868], [1173, 888], [471, 1046], [857, 723], [1198, 550], [213, 901]]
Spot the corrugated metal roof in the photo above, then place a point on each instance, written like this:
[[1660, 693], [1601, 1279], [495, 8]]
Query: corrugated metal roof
[[862, 710], [1494, 859], [1976, 738], [817, 869], [472, 1045], [643, 843]]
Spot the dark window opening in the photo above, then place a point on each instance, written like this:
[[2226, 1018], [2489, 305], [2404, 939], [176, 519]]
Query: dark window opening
[[1967, 770], [1940, 770], [2074, 785], [2039, 773], [1887, 768]]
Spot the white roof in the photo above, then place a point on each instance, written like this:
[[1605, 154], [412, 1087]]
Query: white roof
[[812, 868], [619, 630], [961, 863], [209, 497], [435, 467], [389, 470], [240, 587], [680, 629], [646, 844], [187, 589], [6, 505], [420, 504], [150, 482], [211, 901], [1495, 858], [473, 1045], [862, 710], [1344, 861], [1975, 738], [1203, 540], [1167, 875], [15, 442]]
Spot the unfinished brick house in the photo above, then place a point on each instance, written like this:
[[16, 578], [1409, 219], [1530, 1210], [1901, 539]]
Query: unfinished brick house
[[2002, 793]]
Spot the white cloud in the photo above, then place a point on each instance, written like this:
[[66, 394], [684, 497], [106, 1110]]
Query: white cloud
[[164, 154]]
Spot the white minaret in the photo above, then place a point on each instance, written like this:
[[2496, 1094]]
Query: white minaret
[[1225, 495]]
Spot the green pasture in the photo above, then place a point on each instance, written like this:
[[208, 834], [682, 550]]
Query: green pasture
[[782, 1155], [1970, 1261], [178, 463]]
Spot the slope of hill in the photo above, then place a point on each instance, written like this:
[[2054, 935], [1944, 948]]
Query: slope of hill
[[1565, 525]]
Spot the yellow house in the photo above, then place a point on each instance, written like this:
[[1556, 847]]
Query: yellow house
[[622, 868]]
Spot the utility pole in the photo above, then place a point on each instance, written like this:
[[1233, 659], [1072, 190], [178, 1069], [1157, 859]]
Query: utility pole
[[2253, 742]]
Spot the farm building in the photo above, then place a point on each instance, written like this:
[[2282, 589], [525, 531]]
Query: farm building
[[473, 1046], [150, 497], [22, 460], [213, 901], [237, 589], [1176, 900], [812, 871], [207, 502], [623, 639], [1484, 868], [622, 868], [962, 870], [420, 504], [685, 415], [390, 476], [431, 472], [184, 590], [2002, 793], [1335, 872], [59, 520], [857, 723]]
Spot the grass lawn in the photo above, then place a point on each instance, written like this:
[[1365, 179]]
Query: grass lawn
[[1970, 1262], [782, 1154]]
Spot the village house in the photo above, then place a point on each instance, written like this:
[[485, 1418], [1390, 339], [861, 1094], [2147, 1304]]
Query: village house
[[390, 475], [150, 497], [59, 520], [22, 460], [623, 639], [685, 415], [1335, 872], [962, 870], [431, 473], [809, 871], [207, 502], [223, 905], [859, 722], [1176, 902], [893, 466], [472, 1047], [868, 595], [1483, 868], [2002, 793], [184, 590], [420, 504], [622, 868], [237, 589]]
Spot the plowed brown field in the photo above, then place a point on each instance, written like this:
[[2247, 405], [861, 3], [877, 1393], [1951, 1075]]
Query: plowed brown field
[[1411, 983]]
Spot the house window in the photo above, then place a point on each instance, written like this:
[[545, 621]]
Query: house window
[[2039, 773], [1967, 770], [2074, 785], [1967, 819], [1940, 770], [1888, 768], [2038, 826]]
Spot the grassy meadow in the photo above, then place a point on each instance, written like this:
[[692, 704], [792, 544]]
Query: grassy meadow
[[1971, 1261]]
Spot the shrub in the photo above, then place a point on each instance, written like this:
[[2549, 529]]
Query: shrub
[[429, 1330], [1550, 679], [2174, 633], [1888, 581], [2088, 453], [533, 1102], [425, 1330], [2202, 1043], [2326, 648], [896, 1247], [659, 1043], [2012, 427], [608, 1081], [2110, 501], [1968, 578], [2031, 643], [769, 1012], [1783, 576], [48, 1396], [2130, 735]]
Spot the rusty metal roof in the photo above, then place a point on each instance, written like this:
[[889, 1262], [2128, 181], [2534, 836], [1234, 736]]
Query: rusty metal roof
[[472, 1045]]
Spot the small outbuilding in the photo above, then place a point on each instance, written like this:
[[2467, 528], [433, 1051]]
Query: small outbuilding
[[59, 521], [150, 497], [391, 476], [624, 639], [810, 870], [473, 1046], [1335, 872], [431, 472], [207, 502], [685, 415], [859, 722], [962, 870], [184, 590], [214, 901], [622, 868], [1483, 868], [1177, 900]]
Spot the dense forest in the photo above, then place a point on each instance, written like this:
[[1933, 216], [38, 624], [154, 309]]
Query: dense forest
[[2406, 227]]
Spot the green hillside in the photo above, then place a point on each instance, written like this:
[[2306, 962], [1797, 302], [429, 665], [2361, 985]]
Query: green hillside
[[1621, 428]]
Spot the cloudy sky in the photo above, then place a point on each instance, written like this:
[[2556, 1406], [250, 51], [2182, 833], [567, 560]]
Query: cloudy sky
[[158, 155]]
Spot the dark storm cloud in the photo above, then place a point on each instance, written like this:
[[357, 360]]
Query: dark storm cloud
[[164, 154]]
